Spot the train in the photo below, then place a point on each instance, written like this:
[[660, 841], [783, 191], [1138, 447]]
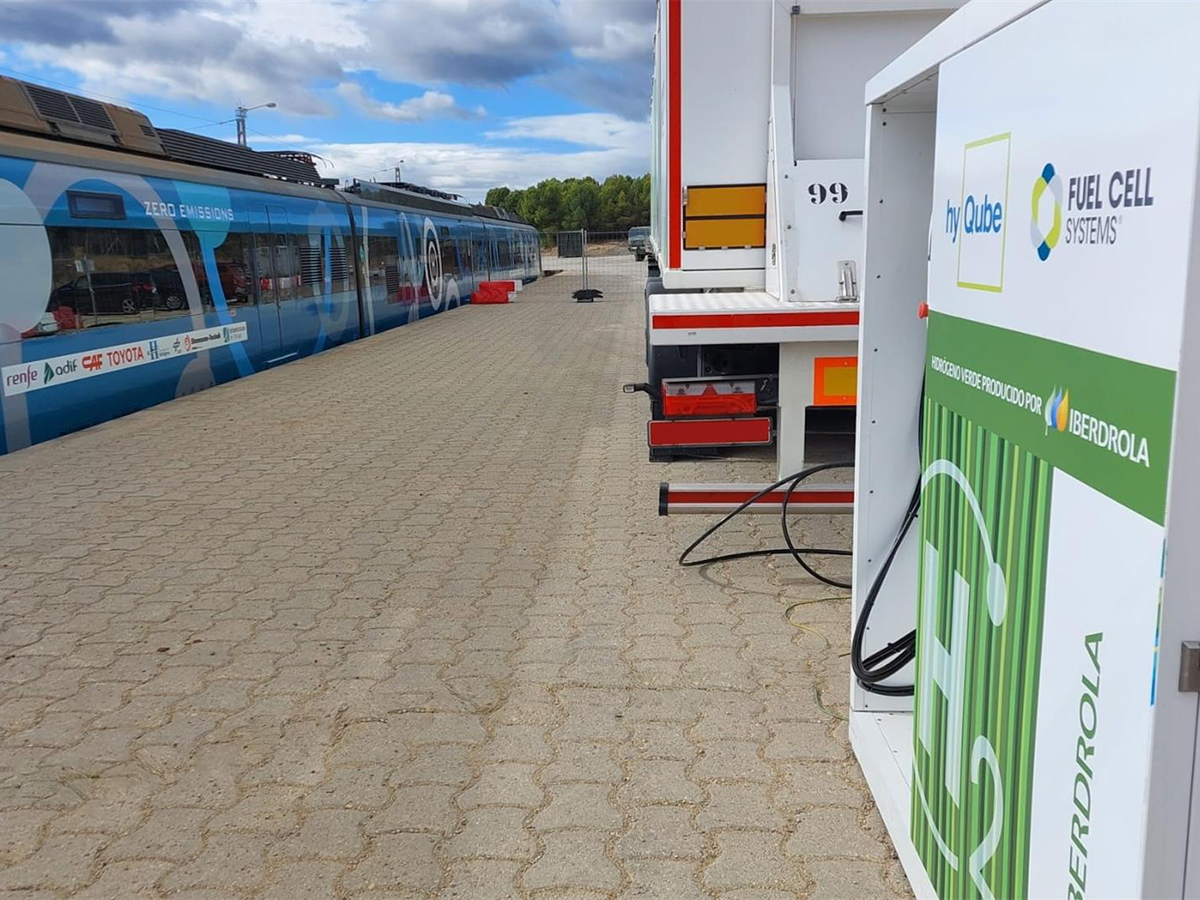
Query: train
[[142, 264]]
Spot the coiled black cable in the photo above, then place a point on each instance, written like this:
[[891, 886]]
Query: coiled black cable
[[793, 481], [884, 663]]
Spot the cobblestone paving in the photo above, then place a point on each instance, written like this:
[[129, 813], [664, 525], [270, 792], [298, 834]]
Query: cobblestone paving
[[400, 621]]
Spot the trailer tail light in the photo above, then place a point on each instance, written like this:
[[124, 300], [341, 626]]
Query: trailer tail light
[[680, 433], [709, 398]]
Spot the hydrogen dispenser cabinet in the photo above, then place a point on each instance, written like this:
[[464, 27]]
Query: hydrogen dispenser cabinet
[[1047, 411]]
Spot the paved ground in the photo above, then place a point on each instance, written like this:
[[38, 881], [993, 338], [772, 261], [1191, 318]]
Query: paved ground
[[400, 621]]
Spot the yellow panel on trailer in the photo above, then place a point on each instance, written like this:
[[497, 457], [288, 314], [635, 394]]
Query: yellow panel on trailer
[[731, 232], [726, 200]]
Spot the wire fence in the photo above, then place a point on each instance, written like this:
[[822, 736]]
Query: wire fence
[[595, 262]]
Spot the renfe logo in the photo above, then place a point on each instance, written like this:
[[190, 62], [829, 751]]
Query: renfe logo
[[978, 225], [21, 379]]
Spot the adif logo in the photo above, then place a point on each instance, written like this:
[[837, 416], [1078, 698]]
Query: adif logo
[[980, 223], [1058, 408], [1045, 241], [48, 375]]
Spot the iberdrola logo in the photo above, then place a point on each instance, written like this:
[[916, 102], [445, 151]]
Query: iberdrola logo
[[1058, 406]]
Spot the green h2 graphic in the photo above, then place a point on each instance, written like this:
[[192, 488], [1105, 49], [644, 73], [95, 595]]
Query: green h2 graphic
[[984, 513]]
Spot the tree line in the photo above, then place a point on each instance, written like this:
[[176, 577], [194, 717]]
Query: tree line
[[618, 204]]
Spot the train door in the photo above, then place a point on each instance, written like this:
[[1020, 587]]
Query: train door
[[270, 325]]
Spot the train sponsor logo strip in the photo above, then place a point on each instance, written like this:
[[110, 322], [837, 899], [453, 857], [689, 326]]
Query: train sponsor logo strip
[[43, 373]]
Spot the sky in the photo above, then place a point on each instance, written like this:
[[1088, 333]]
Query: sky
[[469, 93]]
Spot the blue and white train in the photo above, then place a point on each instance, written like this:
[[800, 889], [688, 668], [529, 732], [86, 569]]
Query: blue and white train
[[139, 264]]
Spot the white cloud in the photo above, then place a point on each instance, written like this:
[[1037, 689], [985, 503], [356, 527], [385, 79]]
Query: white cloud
[[585, 129], [305, 54], [613, 30], [468, 169], [430, 105], [220, 51], [197, 56]]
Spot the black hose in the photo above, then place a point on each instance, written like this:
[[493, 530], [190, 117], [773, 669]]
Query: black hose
[[890, 659], [883, 663], [790, 549]]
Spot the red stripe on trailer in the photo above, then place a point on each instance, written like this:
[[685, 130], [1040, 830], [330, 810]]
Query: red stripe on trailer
[[675, 130], [708, 432], [799, 498], [756, 320], [716, 499]]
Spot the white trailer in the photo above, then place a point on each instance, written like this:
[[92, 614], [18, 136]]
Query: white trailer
[[757, 204], [1032, 177]]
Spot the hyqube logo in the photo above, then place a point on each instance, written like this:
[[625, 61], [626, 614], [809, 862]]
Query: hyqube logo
[[1046, 240], [981, 220]]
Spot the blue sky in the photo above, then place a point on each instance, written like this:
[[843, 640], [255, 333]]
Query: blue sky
[[470, 93]]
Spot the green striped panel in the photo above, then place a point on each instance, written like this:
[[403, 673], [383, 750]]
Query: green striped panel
[[1012, 488]]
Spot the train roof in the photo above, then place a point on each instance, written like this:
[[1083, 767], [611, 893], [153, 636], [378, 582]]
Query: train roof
[[401, 193]]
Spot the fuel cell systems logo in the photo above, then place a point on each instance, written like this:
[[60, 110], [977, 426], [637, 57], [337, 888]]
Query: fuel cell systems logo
[[1043, 243]]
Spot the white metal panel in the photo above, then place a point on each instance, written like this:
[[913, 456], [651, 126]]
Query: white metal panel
[[883, 744], [779, 256], [891, 361], [750, 258], [834, 56], [727, 302], [797, 378], [699, 279], [840, 7], [968, 26], [725, 73], [1172, 866], [725, 63], [825, 189]]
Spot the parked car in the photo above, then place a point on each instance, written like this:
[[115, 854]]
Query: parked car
[[107, 293], [235, 284], [639, 241]]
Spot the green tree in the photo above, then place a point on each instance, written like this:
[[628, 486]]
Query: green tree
[[551, 205], [581, 203], [498, 196]]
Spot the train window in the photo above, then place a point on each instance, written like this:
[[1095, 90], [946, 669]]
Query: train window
[[287, 267], [265, 266], [168, 292], [69, 306], [106, 276], [383, 268], [449, 256], [191, 243], [90, 205], [235, 269]]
